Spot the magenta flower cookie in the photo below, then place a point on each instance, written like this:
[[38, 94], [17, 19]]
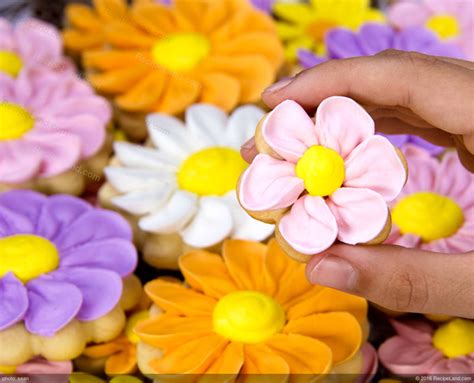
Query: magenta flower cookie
[[61, 268], [51, 121], [435, 210], [31, 43], [323, 181], [420, 349]]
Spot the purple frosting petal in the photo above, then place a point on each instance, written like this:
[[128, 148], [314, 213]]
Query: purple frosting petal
[[13, 301], [263, 5], [101, 289], [13, 223], [118, 255], [24, 202], [308, 59], [94, 226], [431, 148], [53, 304], [342, 43], [414, 39], [374, 38], [396, 139], [58, 213]]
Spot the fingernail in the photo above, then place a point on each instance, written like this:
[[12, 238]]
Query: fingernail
[[335, 272], [278, 85]]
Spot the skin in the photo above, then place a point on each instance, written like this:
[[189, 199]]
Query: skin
[[404, 92]]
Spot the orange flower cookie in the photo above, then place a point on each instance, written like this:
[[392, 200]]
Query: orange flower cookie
[[250, 311], [164, 58]]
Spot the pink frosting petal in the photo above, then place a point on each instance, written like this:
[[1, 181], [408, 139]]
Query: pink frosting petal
[[375, 165], [361, 214], [458, 366], [309, 227], [402, 356], [42, 366], [7, 41], [269, 184], [408, 13], [38, 42], [415, 330], [59, 151], [438, 6], [406, 240], [19, 162], [7, 87], [422, 170], [289, 130], [371, 362], [342, 124], [77, 105]]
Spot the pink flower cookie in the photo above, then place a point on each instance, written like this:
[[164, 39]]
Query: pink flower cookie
[[324, 181], [435, 210], [51, 122], [420, 349], [31, 43]]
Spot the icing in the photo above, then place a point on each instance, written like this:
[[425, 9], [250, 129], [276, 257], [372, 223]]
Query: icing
[[430, 216], [181, 51], [50, 122], [248, 317], [197, 173], [343, 43], [247, 324], [64, 271], [10, 63], [16, 121], [356, 171], [27, 256], [450, 20], [455, 338], [322, 170], [434, 210], [445, 26], [173, 185], [166, 66]]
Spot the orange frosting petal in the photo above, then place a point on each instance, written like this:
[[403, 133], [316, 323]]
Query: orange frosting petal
[[253, 72], [244, 261], [168, 331], [156, 19], [327, 300], [192, 11], [217, 14], [304, 355], [193, 357], [123, 362], [206, 272], [255, 43], [105, 349], [221, 90], [339, 330], [83, 17], [118, 80], [125, 35], [111, 9], [181, 91], [229, 362], [177, 299], [115, 59], [145, 94], [80, 40], [260, 359]]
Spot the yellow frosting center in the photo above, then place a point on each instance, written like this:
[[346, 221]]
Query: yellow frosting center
[[181, 51], [27, 256], [445, 26], [322, 170], [211, 171], [248, 317], [455, 338], [134, 319], [10, 63], [15, 121], [430, 216]]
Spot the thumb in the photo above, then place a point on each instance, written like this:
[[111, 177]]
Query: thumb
[[398, 278]]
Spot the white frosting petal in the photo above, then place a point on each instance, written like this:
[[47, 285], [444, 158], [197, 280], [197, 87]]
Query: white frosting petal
[[140, 202], [128, 179], [207, 123], [142, 157], [242, 124], [173, 216], [246, 227], [171, 136], [212, 223]]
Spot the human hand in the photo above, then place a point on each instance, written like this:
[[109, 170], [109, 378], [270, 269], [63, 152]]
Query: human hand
[[405, 93]]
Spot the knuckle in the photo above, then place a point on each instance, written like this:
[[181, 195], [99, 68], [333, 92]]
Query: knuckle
[[407, 291]]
